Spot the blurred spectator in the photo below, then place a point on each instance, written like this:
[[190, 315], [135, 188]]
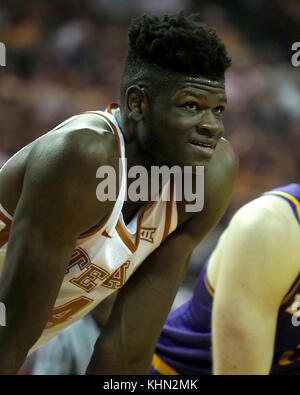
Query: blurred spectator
[[66, 57]]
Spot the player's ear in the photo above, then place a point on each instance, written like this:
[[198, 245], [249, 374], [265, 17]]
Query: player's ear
[[136, 99]]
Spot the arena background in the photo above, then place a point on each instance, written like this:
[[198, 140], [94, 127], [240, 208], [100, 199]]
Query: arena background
[[64, 57]]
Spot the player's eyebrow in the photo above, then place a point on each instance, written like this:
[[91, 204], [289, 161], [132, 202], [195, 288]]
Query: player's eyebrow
[[199, 95]]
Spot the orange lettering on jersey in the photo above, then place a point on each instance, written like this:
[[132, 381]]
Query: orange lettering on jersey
[[147, 234], [80, 258], [62, 313], [88, 279], [118, 278]]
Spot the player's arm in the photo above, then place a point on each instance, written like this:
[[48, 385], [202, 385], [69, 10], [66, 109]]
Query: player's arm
[[58, 203], [256, 269], [126, 344]]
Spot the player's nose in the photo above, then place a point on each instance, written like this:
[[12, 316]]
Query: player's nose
[[211, 126]]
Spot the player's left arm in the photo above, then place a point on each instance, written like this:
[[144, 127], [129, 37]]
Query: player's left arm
[[128, 340]]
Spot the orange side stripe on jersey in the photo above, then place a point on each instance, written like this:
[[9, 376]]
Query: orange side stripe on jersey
[[169, 211], [162, 367]]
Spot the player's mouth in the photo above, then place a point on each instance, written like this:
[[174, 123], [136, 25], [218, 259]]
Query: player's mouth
[[206, 148]]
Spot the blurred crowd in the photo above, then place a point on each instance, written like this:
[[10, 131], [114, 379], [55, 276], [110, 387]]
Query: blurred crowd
[[65, 57]]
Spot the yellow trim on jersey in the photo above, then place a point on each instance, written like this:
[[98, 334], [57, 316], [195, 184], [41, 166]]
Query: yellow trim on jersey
[[290, 294], [288, 196], [297, 205], [162, 367], [207, 285]]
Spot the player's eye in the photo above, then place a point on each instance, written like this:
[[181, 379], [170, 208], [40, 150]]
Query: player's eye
[[219, 109], [192, 106]]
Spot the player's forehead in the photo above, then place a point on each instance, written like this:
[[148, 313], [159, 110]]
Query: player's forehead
[[199, 87]]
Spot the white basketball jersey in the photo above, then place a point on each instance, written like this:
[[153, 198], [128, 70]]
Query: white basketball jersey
[[105, 258]]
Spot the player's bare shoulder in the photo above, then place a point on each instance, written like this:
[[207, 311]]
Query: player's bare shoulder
[[73, 150], [270, 218], [86, 137]]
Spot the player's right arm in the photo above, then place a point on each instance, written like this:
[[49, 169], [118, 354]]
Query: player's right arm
[[256, 268], [57, 203]]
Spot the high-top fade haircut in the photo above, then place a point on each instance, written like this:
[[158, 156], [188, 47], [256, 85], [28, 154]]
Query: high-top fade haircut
[[161, 48]]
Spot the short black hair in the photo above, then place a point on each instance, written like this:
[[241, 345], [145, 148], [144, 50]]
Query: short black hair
[[173, 44]]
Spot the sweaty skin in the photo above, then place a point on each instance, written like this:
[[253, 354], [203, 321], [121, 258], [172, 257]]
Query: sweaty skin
[[49, 188]]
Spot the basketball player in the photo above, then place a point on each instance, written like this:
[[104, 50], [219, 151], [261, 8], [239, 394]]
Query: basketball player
[[250, 289], [63, 251]]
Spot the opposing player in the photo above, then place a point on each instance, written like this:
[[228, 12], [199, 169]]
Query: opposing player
[[250, 290], [65, 250]]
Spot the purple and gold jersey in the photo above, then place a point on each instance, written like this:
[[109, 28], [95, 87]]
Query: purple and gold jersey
[[184, 346]]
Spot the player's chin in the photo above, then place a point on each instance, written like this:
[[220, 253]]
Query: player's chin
[[198, 161], [199, 155], [188, 160]]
